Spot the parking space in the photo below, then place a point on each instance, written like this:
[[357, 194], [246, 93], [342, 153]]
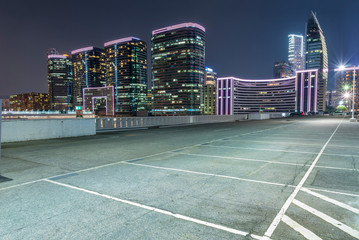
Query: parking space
[[274, 179]]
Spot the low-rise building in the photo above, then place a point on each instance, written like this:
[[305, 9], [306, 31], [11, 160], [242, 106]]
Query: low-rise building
[[29, 102], [292, 94], [99, 100], [5, 104]]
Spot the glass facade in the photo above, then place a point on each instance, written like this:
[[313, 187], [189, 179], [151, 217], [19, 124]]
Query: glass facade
[[178, 58], [209, 92], [316, 57], [126, 70], [88, 71], [59, 75], [296, 51]]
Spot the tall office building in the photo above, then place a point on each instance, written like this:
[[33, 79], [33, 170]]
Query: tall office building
[[209, 92], [59, 78], [178, 57], [296, 51], [282, 69], [88, 71], [316, 57], [126, 70]]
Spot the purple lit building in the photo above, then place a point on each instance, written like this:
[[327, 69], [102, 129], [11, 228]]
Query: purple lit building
[[99, 100], [291, 94]]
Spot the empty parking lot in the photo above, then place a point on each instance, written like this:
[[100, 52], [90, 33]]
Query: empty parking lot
[[272, 179]]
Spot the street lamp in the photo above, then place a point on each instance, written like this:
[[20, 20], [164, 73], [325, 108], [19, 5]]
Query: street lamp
[[342, 68]]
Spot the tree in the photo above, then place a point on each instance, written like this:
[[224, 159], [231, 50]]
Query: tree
[[342, 108]]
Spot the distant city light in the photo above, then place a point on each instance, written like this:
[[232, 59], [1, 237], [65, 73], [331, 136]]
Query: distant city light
[[209, 69], [341, 67]]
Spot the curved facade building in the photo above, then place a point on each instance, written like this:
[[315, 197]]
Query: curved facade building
[[292, 94]]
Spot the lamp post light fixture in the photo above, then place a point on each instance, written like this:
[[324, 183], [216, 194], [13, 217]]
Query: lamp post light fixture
[[343, 68]]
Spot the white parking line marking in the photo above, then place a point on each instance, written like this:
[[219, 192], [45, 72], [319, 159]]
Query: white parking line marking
[[207, 174], [334, 192], [274, 142], [281, 150], [333, 201], [260, 149], [158, 210], [342, 146], [328, 219], [286, 205], [241, 159], [264, 161], [298, 138], [299, 228]]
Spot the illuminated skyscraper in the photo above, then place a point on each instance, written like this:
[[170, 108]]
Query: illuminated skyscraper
[[59, 76], [126, 70], [209, 92], [296, 51], [316, 57], [88, 70], [178, 56]]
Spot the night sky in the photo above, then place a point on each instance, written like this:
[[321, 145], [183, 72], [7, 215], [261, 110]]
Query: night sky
[[243, 37]]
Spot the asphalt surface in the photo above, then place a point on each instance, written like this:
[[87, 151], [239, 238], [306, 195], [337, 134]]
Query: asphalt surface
[[293, 178]]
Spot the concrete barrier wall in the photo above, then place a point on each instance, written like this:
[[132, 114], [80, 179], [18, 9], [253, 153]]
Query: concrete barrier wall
[[258, 116], [24, 130], [145, 122]]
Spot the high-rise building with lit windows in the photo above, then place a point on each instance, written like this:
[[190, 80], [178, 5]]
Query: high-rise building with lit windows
[[59, 76], [178, 58], [316, 57], [209, 91], [126, 70], [88, 70], [296, 51]]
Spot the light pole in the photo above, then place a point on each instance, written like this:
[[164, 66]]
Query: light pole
[[342, 68]]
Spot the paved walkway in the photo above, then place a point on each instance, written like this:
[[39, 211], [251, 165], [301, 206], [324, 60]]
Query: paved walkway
[[273, 179]]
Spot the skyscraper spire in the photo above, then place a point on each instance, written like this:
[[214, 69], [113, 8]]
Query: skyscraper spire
[[316, 56]]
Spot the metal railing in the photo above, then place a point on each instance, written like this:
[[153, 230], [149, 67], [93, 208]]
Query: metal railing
[[146, 122]]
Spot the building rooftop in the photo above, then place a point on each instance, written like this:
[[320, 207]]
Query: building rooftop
[[182, 25], [121, 40]]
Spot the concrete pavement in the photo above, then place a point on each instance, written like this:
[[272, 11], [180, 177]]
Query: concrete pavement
[[292, 178]]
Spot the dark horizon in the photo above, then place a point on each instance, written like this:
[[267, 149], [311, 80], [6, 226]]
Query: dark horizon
[[242, 39]]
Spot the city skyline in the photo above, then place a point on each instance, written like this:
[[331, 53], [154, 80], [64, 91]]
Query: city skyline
[[222, 57]]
